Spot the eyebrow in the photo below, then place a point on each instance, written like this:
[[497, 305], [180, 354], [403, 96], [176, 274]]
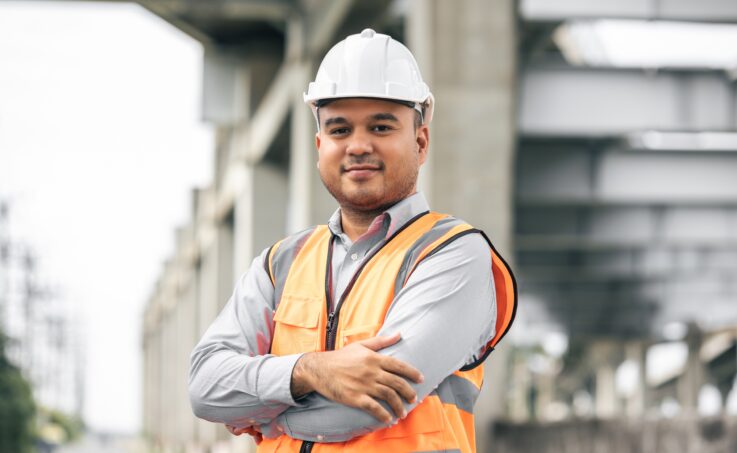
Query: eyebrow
[[335, 120], [384, 117], [375, 117]]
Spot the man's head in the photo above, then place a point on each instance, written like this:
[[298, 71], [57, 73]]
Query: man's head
[[373, 111], [370, 152]]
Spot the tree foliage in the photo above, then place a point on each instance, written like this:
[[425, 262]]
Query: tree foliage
[[17, 409]]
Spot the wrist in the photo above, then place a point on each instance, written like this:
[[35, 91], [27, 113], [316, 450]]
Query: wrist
[[301, 384]]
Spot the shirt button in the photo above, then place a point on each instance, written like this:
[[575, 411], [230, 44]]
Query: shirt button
[[320, 437], [354, 257]]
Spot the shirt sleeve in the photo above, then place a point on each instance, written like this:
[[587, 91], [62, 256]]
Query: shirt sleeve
[[445, 313], [233, 379]]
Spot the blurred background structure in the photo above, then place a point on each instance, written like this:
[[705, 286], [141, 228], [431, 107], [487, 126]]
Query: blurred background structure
[[596, 143]]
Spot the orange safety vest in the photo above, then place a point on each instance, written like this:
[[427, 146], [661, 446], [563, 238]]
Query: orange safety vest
[[298, 267]]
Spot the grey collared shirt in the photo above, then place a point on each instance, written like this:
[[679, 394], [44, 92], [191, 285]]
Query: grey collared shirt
[[445, 313]]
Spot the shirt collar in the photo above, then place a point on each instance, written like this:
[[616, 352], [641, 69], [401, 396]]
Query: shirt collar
[[395, 217]]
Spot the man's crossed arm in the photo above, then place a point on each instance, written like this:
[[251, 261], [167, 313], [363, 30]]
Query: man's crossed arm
[[444, 314]]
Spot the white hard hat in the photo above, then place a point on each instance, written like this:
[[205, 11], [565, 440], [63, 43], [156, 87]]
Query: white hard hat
[[370, 65]]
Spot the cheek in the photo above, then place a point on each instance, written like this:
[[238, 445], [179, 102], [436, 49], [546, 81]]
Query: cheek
[[328, 158]]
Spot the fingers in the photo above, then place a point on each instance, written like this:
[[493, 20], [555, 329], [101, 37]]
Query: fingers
[[400, 386], [368, 404], [381, 342], [251, 430], [236, 431], [392, 399], [402, 369]]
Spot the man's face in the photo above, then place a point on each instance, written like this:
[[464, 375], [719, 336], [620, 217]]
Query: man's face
[[370, 152]]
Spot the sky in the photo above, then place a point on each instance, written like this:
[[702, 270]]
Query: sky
[[101, 143]]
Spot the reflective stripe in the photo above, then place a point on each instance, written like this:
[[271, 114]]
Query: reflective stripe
[[281, 259], [412, 255], [458, 391], [451, 235]]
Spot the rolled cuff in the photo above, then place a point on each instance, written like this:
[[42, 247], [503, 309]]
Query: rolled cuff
[[274, 380]]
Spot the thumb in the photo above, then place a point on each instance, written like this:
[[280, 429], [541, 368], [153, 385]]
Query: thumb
[[381, 342]]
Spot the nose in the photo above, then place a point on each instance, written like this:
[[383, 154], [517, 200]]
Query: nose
[[359, 143]]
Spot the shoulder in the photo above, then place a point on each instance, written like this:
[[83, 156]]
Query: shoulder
[[281, 254], [449, 247], [451, 234]]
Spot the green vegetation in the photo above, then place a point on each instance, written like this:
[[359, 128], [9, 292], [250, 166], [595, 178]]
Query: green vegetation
[[17, 409], [56, 427]]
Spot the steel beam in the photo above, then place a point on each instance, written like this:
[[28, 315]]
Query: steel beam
[[564, 101], [682, 10]]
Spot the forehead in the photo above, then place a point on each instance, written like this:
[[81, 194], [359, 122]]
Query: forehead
[[359, 108]]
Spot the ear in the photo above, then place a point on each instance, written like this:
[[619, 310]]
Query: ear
[[317, 140], [423, 142]]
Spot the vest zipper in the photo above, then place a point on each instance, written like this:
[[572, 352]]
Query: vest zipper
[[330, 332], [332, 324]]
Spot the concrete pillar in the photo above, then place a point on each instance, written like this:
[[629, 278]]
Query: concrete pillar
[[186, 340], [690, 383], [467, 52], [605, 358], [309, 202], [519, 409], [545, 384], [208, 294], [606, 392], [635, 406]]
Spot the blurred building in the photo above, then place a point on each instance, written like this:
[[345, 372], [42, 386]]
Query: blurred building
[[599, 153]]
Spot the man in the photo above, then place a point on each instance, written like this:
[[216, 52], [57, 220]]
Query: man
[[365, 334]]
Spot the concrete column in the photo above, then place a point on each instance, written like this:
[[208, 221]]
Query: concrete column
[[260, 212], [519, 408], [690, 383], [302, 160], [635, 351], [606, 392], [467, 52], [208, 295], [545, 384], [301, 152], [605, 358]]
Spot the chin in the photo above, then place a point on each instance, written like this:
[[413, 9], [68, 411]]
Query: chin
[[365, 199]]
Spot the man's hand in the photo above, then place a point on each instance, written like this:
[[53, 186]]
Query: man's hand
[[251, 430], [357, 376]]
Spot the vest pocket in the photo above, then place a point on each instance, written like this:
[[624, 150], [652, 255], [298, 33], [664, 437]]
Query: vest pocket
[[296, 320]]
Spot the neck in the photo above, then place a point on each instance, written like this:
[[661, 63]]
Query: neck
[[355, 223]]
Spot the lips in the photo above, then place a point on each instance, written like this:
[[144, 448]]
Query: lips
[[361, 172], [362, 168]]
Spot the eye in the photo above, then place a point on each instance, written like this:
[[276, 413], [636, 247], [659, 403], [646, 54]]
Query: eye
[[381, 128], [339, 131]]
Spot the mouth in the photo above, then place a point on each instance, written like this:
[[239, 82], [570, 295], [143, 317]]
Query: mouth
[[361, 168], [362, 171]]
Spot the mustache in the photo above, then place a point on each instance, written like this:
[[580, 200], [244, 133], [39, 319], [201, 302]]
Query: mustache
[[362, 160]]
